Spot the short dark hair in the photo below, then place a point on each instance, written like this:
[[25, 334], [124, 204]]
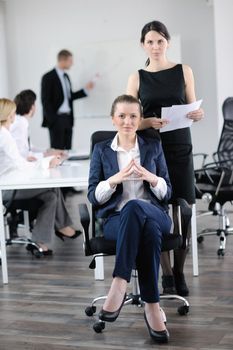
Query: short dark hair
[[24, 101], [125, 99], [157, 27], [64, 54]]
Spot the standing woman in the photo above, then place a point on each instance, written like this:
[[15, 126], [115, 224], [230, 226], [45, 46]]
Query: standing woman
[[130, 187], [162, 84]]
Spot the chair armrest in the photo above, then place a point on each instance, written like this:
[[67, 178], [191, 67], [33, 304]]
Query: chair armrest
[[185, 220], [226, 155], [217, 175], [85, 222], [178, 239], [220, 164], [203, 155], [213, 172]]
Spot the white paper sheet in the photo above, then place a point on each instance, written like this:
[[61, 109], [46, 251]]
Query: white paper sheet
[[177, 115]]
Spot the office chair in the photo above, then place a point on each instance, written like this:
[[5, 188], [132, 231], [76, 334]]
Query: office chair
[[225, 146], [214, 180], [27, 206], [97, 246]]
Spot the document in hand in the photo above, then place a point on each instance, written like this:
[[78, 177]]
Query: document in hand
[[177, 115]]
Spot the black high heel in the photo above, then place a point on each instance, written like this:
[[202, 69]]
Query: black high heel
[[157, 336], [109, 316], [62, 236], [38, 253]]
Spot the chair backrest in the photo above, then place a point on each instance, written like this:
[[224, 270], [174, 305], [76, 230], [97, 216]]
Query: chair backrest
[[227, 109], [225, 145], [101, 135]]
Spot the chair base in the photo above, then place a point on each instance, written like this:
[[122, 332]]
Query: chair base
[[222, 232], [182, 309]]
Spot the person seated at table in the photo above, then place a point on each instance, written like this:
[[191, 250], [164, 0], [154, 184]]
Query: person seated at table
[[130, 187], [52, 213], [25, 109]]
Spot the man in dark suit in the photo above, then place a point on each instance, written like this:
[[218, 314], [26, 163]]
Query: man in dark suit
[[57, 101]]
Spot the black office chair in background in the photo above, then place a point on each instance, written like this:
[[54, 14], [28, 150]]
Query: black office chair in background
[[214, 181], [225, 146], [11, 209], [96, 245]]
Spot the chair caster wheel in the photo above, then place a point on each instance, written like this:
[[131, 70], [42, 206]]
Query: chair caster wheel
[[90, 310], [221, 252], [200, 239], [183, 310], [99, 326]]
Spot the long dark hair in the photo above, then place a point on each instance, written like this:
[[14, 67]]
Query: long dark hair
[[157, 27]]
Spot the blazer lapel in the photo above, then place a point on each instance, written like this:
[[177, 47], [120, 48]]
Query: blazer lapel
[[111, 158], [59, 88], [143, 149]]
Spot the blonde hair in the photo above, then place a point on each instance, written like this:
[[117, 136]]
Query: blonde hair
[[6, 108]]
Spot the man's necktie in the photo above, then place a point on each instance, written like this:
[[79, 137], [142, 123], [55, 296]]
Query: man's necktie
[[67, 85]]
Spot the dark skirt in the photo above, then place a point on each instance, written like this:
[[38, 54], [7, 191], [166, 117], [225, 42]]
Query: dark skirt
[[179, 160]]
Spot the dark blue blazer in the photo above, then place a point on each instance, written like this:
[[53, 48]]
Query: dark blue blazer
[[104, 164]]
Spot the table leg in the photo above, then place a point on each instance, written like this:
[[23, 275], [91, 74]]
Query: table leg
[[194, 240], [99, 270], [3, 243]]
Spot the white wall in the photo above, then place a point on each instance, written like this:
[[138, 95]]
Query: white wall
[[223, 11], [3, 61], [36, 30]]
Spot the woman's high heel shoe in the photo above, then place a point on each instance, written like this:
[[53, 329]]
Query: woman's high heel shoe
[[62, 236], [35, 251], [109, 316], [157, 336]]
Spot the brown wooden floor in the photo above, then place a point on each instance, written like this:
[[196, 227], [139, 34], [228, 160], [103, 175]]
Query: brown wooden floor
[[42, 308]]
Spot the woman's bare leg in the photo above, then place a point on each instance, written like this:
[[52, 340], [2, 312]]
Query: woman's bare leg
[[115, 295]]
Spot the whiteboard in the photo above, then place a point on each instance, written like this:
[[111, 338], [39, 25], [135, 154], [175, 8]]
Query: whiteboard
[[113, 61]]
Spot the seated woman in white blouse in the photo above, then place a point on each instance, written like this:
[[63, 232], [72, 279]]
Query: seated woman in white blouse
[[52, 215], [25, 102]]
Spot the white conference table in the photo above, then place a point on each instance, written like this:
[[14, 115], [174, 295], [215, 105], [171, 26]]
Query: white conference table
[[70, 174]]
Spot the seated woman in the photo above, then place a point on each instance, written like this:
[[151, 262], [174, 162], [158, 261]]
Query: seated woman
[[25, 102], [52, 214], [129, 186]]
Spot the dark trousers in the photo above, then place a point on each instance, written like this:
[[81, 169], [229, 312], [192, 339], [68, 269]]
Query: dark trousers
[[61, 132], [138, 229]]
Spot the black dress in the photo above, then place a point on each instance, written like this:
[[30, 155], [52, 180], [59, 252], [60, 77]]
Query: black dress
[[164, 89]]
